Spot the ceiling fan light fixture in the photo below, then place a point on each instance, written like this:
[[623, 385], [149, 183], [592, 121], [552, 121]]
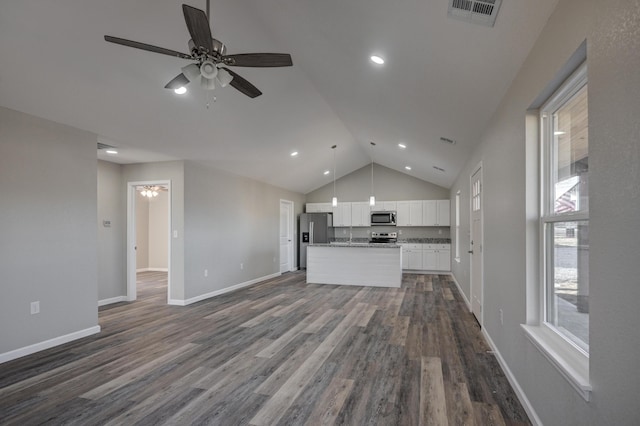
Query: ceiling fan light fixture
[[191, 71], [377, 59], [208, 70], [207, 83], [180, 90], [224, 78]]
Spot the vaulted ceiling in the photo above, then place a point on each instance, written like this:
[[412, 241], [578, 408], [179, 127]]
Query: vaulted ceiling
[[442, 78]]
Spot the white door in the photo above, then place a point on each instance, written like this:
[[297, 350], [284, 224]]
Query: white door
[[476, 244], [286, 236]]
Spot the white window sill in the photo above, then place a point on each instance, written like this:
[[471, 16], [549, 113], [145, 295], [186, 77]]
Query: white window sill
[[571, 362]]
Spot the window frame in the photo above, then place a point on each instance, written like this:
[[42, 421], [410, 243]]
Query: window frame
[[569, 358], [574, 84]]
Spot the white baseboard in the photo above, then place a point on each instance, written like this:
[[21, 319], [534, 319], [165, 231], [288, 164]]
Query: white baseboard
[[112, 300], [152, 270], [522, 397], [464, 296], [56, 341], [186, 302]]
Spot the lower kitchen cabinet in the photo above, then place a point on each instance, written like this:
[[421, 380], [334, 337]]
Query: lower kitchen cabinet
[[426, 257]]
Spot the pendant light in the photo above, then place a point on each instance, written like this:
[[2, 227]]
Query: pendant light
[[334, 200], [372, 198]]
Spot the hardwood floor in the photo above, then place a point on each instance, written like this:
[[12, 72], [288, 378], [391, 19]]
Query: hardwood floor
[[279, 352]]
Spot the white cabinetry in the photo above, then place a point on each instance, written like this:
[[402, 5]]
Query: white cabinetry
[[342, 215], [385, 206], [409, 213], [412, 256], [436, 257], [319, 208], [435, 213], [360, 214]]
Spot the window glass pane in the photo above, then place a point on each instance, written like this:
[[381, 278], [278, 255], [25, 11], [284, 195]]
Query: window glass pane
[[570, 148], [568, 280]]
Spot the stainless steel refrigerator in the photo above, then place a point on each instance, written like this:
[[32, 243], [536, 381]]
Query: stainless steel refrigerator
[[314, 228]]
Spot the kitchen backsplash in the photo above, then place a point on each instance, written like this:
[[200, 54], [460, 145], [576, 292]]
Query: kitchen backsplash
[[403, 232]]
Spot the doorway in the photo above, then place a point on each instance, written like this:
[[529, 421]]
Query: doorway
[[476, 243], [286, 236], [152, 230]]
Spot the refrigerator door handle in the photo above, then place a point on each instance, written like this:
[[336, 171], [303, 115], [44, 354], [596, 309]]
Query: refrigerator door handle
[[310, 232]]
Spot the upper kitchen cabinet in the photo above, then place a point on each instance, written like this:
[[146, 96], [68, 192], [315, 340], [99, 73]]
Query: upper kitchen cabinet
[[360, 214], [385, 206], [342, 215], [319, 208], [435, 213], [409, 213]]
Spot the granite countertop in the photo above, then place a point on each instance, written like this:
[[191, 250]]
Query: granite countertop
[[354, 243], [425, 241]]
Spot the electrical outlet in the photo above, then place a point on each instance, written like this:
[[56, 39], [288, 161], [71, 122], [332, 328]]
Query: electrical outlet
[[35, 308], [274, 259], [440, 231], [344, 232], [501, 317], [399, 231], [242, 266], [206, 272]]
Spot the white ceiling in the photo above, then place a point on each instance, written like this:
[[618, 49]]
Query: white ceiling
[[442, 78]]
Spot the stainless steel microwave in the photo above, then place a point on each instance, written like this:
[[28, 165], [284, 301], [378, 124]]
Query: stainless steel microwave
[[383, 218]]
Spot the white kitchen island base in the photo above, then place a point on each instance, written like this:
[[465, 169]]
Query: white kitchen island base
[[361, 265]]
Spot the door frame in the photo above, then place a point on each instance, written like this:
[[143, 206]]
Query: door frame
[[290, 225], [131, 235], [478, 168]]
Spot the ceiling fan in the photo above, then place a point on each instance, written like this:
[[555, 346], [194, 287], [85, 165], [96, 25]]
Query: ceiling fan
[[209, 57]]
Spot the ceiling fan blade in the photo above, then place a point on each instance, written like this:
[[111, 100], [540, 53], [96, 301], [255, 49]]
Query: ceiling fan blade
[[147, 47], [259, 60], [179, 81], [243, 85], [198, 25]]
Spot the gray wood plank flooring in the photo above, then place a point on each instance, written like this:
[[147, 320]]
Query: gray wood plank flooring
[[281, 352]]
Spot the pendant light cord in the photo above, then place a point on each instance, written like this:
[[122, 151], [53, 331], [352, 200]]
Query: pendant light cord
[[334, 169]]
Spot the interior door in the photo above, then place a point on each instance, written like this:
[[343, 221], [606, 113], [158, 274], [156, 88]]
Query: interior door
[[476, 245], [286, 236]]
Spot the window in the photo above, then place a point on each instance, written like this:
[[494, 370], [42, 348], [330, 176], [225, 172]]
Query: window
[[457, 226], [564, 219]]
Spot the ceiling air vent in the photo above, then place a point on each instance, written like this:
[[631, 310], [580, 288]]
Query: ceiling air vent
[[105, 146], [482, 12], [447, 140]]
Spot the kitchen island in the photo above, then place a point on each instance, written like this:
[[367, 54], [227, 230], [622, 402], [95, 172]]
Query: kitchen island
[[360, 264]]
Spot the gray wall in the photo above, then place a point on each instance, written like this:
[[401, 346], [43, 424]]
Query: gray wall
[[230, 220], [48, 226], [158, 230], [173, 171], [614, 83], [142, 231], [111, 240], [614, 174], [389, 185]]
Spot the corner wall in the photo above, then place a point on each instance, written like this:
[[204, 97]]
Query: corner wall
[[112, 256], [48, 247], [230, 220]]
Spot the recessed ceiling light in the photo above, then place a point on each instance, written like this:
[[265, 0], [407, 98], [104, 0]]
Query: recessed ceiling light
[[326, 172], [294, 153], [558, 133], [401, 146], [181, 90], [111, 151], [377, 59], [407, 167]]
